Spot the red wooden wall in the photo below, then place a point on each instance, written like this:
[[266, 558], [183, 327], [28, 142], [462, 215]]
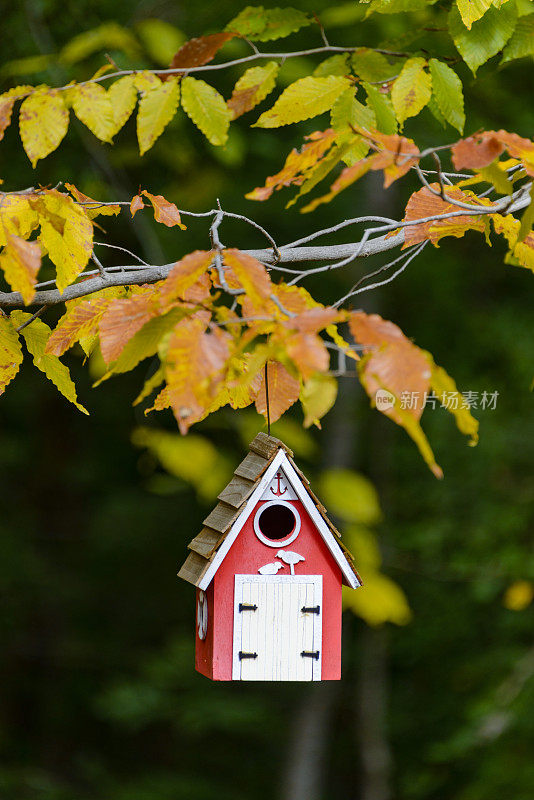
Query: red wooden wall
[[246, 555]]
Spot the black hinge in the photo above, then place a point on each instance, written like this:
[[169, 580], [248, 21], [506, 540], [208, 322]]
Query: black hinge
[[247, 607], [311, 609], [247, 655], [314, 654]]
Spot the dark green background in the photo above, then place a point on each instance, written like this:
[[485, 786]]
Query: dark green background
[[100, 698]]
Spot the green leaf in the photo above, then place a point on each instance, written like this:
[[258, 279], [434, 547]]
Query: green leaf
[[335, 65], [447, 91], [253, 87], [350, 496], [486, 37], [10, 352], [191, 458], [303, 99], [157, 107], [381, 104], [436, 113], [262, 25], [36, 335], [472, 10], [371, 66], [160, 39], [347, 112], [108, 36], [397, 6], [522, 42], [412, 89], [206, 108]]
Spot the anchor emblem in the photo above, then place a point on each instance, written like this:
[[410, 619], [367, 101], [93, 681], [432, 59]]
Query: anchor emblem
[[278, 492]]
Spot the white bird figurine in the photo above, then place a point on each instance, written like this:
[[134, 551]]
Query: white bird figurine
[[270, 569], [291, 558]]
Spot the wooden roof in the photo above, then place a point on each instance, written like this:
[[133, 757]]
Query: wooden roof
[[232, 501]]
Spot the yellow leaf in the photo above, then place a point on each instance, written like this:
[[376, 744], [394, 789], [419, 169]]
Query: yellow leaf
[[92, 106], [412, 90], [471, 10], [206, 108], [17, 217], [123, 97], [10, 352], [253, 87], [66, 233], [43, 123], [150, 384], [350, 496], [445, 388], [192, 459], [379, 600], [250, 274], [156, 109], [80, 321], [7, 101], [20, 262], [519, 595], [304, 99], [317, 397], [36, 336]]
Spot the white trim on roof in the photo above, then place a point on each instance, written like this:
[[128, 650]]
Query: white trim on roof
[[302, 494]]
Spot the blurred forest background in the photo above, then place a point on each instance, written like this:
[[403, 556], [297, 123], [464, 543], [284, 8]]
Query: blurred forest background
[[100, 700]]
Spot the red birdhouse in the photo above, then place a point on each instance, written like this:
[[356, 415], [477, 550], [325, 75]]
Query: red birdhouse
[[268, 566]]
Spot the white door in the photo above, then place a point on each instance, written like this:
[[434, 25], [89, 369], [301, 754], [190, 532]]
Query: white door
[[277, 627]]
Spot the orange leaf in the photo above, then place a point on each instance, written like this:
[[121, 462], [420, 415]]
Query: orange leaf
[[519, 148], [284, 390], [6, 107], [136, 204], [195, 365], [184, 275], [394, 154], [308, 352], [251, 275], [393, 369], [394, 362], [297, 165], [92, 207], [121, 320], [78, 322], [164, 211], [313, 319], [197, 52], [477, 151], [425, 204], [20, 261]]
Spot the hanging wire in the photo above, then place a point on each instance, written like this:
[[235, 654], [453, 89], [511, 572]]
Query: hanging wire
[[267, 400]]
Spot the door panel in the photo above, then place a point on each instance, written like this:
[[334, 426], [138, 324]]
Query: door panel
[[271, 631]]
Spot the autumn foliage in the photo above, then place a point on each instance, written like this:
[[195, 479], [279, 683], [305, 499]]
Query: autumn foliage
[[217, 321]]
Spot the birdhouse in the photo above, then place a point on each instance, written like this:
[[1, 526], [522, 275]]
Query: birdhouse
[[268, 566]]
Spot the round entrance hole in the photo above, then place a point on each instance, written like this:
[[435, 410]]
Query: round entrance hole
[[277, 521]]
